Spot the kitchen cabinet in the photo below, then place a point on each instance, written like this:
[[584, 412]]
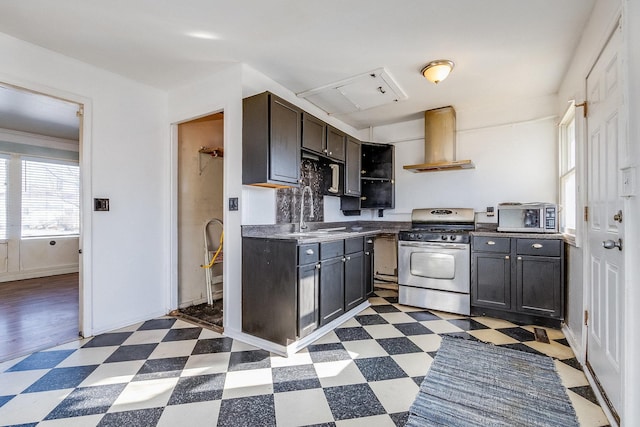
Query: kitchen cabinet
[[520, 278], [354, 285], [331, 281], [352, 168], [377, 183], [368, 266], [320, 138], [308, 289], [335, 144], [291, 289], [271, 135]]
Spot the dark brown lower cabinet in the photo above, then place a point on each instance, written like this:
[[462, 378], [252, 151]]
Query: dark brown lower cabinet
[[289, 290], [368, 267], [518, 279]]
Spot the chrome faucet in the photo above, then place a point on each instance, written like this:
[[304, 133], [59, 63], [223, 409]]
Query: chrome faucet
[[303, 225]]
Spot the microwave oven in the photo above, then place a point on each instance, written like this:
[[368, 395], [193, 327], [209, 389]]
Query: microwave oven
[[528, 217]]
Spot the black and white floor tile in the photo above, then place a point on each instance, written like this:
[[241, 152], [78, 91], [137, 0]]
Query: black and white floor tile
[[167, 372]]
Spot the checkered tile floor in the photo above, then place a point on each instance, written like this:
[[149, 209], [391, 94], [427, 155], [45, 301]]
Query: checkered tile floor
[[167, 372]]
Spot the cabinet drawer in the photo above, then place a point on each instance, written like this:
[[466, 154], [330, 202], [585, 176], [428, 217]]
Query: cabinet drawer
[[331, 249], [543, 247], [355, 244], [491, 244], [308, 253]]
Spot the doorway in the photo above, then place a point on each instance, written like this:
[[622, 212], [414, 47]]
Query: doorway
[[605, 226], [39, 221], [200, 215]]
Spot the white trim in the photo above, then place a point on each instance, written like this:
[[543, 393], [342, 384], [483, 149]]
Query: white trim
[[85, 143], [601, 401], [293, 348], [27, 138], [39, 272]]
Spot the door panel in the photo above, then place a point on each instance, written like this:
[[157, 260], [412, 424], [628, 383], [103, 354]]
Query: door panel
[[606, 270]]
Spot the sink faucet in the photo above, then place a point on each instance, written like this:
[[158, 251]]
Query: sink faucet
[[303, 225]]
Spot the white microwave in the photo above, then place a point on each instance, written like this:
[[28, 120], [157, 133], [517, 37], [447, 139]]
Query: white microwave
[[528, 217]]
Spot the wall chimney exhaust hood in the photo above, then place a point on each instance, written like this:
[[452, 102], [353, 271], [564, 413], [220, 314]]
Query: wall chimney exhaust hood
[[440, 143]]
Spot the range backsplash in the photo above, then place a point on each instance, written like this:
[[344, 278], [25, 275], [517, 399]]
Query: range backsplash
[[288, 199]]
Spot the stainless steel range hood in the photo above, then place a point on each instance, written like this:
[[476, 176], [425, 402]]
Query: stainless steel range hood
[[440, 143]]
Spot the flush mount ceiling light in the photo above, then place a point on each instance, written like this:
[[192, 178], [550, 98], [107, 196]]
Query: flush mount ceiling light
[[436, 71]]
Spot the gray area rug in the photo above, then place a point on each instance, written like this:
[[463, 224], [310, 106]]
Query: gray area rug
[[476, 384]]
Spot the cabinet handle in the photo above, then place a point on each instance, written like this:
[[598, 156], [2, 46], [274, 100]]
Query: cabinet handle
[[536, 245], [370, 241], [346, 258], [318, 266], [491, 243], [330, 153], [519, 258], [325, 151], [506, 257], [366, 253], [309, 251]]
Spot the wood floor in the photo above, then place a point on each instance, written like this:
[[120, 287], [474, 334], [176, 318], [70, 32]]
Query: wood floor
[[37, 313]]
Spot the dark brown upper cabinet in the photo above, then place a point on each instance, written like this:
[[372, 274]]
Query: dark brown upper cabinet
[[271, 133], [320, 138], [352, 168]]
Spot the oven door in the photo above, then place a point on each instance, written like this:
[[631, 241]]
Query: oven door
[[442, 266]]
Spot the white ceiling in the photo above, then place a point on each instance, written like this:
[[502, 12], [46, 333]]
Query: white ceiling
[[503, 49]]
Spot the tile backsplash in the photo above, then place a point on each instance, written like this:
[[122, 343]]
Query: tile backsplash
[[288, 199]]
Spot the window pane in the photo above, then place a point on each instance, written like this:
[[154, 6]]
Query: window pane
[[3, 197], [50, 199], [571, 144], [569, 202]]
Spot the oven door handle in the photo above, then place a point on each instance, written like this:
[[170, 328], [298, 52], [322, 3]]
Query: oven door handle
[[459, 246]]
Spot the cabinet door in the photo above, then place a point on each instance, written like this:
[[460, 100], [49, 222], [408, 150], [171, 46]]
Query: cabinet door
[[491, 280], [335, 144], [352, 168], [284, 148], [308, 313], [368, 267], [539, 285], [314, 133], [353, 280], [331, 289]]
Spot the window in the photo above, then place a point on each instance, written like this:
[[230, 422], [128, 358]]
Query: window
[[50, 198], [568, 172], [4, 163]]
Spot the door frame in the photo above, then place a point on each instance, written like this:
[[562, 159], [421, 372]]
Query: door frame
[[85, 284], [172, 297]]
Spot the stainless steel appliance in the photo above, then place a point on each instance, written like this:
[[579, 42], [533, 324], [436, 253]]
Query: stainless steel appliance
[[528, 217], [434, 260]]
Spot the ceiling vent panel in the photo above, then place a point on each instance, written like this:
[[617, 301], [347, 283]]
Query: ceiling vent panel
[[358, 93]]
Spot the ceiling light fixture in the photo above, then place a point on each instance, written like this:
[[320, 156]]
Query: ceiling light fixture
[[436, 71]]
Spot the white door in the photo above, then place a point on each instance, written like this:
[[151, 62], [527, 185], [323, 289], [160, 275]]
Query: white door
[[605, 229]]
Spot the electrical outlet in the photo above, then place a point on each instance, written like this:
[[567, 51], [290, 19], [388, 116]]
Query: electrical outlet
[[233, 203]]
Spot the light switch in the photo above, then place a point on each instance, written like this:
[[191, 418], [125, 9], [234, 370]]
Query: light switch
[[233, 203], [100, 205]]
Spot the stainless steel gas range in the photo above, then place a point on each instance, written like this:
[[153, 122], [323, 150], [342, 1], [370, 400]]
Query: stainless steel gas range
[[434, 260]]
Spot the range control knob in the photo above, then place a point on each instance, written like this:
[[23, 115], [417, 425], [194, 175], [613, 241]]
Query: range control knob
[[452, 237], [443, 237], [419, 236]]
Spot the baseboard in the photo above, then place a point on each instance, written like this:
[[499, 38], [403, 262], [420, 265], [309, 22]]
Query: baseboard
[[286, 351], [602, 401], [573, 343], [33, 274]]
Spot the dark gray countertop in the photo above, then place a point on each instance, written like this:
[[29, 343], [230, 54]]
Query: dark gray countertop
[[333, 230]]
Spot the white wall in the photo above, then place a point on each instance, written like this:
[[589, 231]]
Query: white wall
[[515, 162], [124, 157]]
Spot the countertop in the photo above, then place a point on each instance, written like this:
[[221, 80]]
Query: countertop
[[332, 230]]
